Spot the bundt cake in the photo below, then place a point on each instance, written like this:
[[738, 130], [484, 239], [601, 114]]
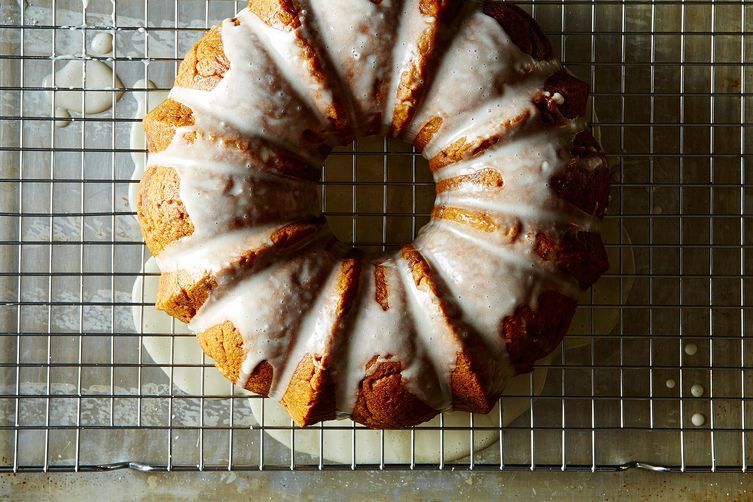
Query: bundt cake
[[229, 204]]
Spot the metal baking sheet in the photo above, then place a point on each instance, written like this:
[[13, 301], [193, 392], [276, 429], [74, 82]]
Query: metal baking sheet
[[671, 84]]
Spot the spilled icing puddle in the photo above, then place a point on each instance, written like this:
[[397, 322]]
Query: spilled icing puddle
[[91, 74]]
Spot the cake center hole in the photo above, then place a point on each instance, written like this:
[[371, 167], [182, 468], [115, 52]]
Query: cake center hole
[[376, 193]]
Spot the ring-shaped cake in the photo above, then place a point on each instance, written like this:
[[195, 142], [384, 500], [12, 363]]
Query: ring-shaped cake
[[229, 205]]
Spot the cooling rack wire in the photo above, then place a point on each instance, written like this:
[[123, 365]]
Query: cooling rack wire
[[660, 372]]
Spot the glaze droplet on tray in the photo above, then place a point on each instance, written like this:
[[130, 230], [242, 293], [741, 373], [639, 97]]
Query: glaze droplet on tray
[[101, 44], [99, 78], [697, 390]]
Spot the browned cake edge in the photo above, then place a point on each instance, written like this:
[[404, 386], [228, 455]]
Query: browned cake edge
[[285, 15], [416, 78], [532, 333], [470, 380]]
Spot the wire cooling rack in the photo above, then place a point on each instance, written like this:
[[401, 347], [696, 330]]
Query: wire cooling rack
[[672, 85]]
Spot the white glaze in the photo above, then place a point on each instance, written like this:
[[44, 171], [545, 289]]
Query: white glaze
[[179, 356], [62, 117], [358, 36], [287, 310], [697, 390], [101, 44], [99, 77], [270, 109], [698, 419]]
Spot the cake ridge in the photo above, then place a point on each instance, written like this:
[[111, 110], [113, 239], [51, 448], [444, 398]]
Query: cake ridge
[[213, 270], [188, 255], [260, 113], [475, 47], [514, 115], [536, 137], [440, 344], [342, 30], [233, 299], [523, 261], [411, 78], [163, 158], [473, 374], [420, 376], [302, 343], [560, 211], [320, 93]]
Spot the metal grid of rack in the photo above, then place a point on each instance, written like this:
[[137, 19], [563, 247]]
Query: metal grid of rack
[[672, 87]]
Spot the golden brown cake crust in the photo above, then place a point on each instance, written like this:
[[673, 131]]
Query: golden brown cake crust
[[384, 401], [160, 124], [381, 294], [585, 182], [280, 14], [464, 149], [205, 64], [181, 294], [532, 333], [162, 214], [477, 219], [576, 253], [310, 396], [488, 178], [224, 344]]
